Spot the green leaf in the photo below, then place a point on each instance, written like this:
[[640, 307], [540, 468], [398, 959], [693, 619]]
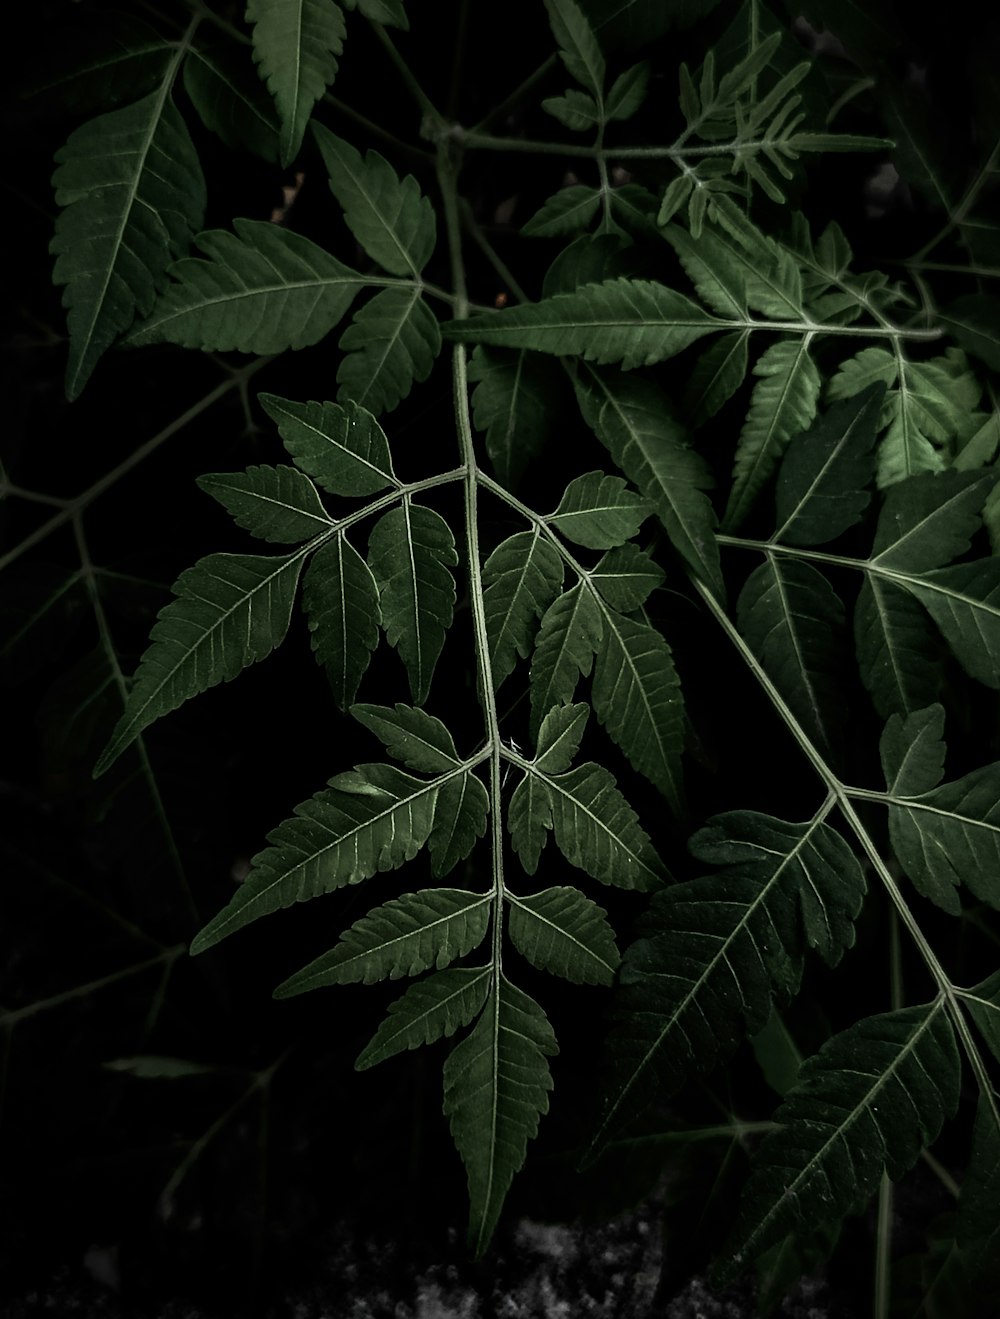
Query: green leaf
[[341, 446], [720, 282], [412, 736], [559, 737], [578, 47], [947, 835], [403, 937], [460, 814], [569, 634], [589, 259], [783, 404], [929, 520], [512, 403], [898, 654], [231, 609], [973, 319], [262, 289], [632, 420], [734, 264], [296, 44], [871, 1099], [597, 831], [365, 822], [133, 195], [793, 621], [628, 91], [626, 577], [823, 481], [631, 321], [983, 1002], [496, 1086], [231, 102], [523, 575], [577, 110], [636, 695], [927, 410], [529, 816], [568, 211], [387, 215], [964, 602], [274, 503], [717, 375], [599, 511], [430, 1010], [391, 342], [340, 599], [562, 932], [112, 57], [716, 950], [410, 552]]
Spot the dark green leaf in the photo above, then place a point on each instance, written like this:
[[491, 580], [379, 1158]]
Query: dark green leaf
[[430, 1010], [628, 91], [559, 737], [512, 404], [274, 503], [522, 576], [569, 634], [232, 102], [564, 933], [341, 446], [625, 578], [975, 322], [597, 830], [459, 821], [568, 211], [578, 47], [898, 654], [599, 511], [717, 374], [416, 738], [340, 598], [529, 817], [390, 343], [929, 520]]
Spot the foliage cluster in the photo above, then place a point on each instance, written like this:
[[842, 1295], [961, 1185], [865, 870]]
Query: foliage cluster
[[641, 535]]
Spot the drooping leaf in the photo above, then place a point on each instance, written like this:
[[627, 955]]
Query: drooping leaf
[[898, 656], [430, 1010], [366, 821], [133, 196], [403, 937], [948, 835], [568, 211], [410, 552], [597, 831], [512, 404], [625, 577], [275, 503], [793, 621], [262, 289], [559, 737], [529, 817], [630, 321], [632, 420], [871, 1099], [636, 695], [823, 481], [578, 46], [390, 343], [460, 816], [232, 102], [496, 1085], [599, 511], [717, 949], [523, 576], [562, 932], [340, 598], [341, 446], [231, 609], [416, 738], [783, 404], [569, 634], [387, 215], [717, 374], [296, 44]]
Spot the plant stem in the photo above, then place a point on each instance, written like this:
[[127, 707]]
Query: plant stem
[[409, 80]]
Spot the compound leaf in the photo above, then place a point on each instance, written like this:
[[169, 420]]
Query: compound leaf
[[366, 821], [562, 932], [275, 503], [631, 321], [387, 215], [296, 44], [340, 598], [261, 290], [231, 609], [523, 575], [133, 196], [390, 343], [341, 446], [496, 1086], [430, 1010], [404, 937], [410, 552]]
